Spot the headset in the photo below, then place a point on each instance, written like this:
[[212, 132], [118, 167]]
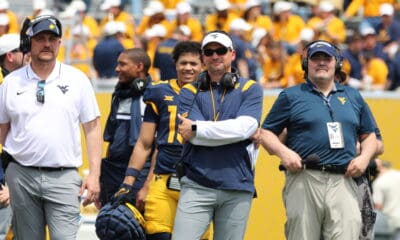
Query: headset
[[138, 85], [338, 56], [228, 80], [25, 38]]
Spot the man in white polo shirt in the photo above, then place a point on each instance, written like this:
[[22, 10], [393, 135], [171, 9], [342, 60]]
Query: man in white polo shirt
[[42, 106]]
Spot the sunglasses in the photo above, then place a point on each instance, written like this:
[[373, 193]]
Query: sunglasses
[[219, 51], [40, 91]]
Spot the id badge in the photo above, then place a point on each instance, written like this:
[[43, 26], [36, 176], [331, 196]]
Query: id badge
[[335, 134], [173, 182]]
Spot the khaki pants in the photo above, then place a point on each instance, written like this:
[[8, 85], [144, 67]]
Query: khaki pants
[[321, 205]]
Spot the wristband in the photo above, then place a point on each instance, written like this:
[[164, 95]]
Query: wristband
[[194, 127], [132, 172]]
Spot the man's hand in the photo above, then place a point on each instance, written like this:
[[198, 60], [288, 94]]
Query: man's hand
[[92, 185], [256, 138], [4, 196], [357, 167], [185, 128], [291, 161], [141, 198]]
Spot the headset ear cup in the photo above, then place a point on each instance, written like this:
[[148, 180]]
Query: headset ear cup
[[228, 80], [202, 81], [139, 85], [25, 41]]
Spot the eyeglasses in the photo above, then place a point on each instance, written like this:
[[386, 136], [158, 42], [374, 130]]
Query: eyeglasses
[[219, 51], [40, 91]]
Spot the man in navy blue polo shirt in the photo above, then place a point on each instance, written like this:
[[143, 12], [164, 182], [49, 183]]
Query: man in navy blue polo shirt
[[222, 112], [323, 119]]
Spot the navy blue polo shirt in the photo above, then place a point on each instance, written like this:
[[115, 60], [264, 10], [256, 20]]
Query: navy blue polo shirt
[[305, 113]]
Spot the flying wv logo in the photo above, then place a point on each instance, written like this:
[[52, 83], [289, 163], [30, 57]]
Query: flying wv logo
[[342, 100], [63, 89]]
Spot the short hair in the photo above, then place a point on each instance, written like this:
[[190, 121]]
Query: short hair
[[139, 55], [185, 47]]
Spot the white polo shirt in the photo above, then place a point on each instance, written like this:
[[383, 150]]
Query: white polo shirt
[[47, 134]]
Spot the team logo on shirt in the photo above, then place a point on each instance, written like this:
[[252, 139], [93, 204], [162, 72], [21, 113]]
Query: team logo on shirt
[[63, 89], [342, 100], [169, 98]]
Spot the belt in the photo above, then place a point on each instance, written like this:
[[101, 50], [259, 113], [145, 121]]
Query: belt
[[8, 158], [338, 169], [51, 169]]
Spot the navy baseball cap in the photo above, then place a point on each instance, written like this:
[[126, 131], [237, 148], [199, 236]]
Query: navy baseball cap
[[47, 24], [322, 46]]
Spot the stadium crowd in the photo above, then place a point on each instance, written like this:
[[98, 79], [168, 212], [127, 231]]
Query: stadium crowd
[[269, 35]]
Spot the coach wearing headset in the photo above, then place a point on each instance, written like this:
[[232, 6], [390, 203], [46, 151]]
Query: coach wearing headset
[[323, 120], [219, 117], [42, 106]]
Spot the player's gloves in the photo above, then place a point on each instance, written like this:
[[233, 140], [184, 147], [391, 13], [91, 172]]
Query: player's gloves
[[124, 195]]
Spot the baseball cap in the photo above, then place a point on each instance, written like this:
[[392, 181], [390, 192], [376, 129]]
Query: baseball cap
[[4, 19], [325, 6], [281, 6], [153, 7], [221, 5], [109, 3], [114, 27], [251, 3], [4, 4], [217, 37], [322, 46], [44, 24], [367, 31], [183, 7], [239, 24], [386, 9], [8, 43]]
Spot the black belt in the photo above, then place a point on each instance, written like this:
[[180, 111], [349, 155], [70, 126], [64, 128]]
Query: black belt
[[338, 169], [7, 158], [51, 169]]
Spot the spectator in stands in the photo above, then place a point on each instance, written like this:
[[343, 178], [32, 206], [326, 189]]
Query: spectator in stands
[[82, 48], [221, 18], [163, 60], [238, 29], [115, 12], [392, 50], [184, 18], [287, 26], [352, 55], [106, 52], [386, 195], [273, 65], [370, 12], [374, 72], [260, 38], [12, 17], [253, 15], [293, 72], [38, 6], [389, 28], [371, 43], [153, 14], [154, 36], [79, 9], [327, 25]]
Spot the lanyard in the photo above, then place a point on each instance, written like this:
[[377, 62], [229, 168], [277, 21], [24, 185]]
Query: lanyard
[[328, 104], [215, 113]]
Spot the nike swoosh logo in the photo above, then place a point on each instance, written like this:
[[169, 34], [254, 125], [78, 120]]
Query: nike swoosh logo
[[19, 93]]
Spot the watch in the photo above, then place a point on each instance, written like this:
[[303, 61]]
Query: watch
[[194, 127]]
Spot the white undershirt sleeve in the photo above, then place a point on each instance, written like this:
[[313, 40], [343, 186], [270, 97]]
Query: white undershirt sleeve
[[224, 132]]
